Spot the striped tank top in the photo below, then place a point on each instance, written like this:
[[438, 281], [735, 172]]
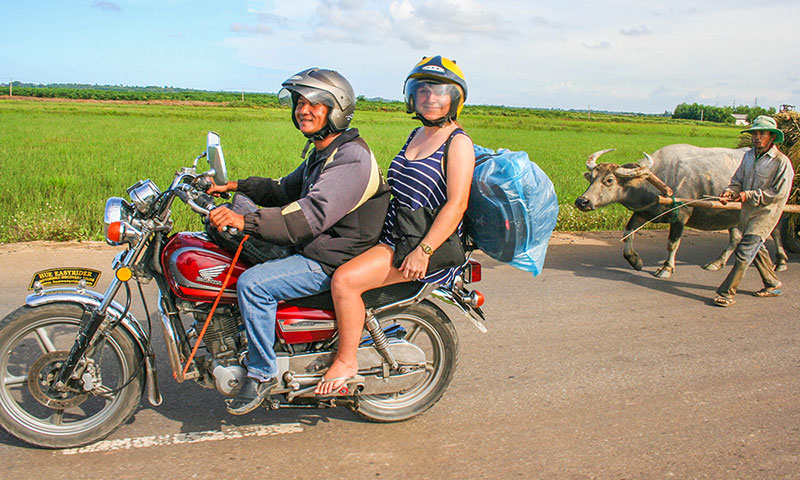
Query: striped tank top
[[415, 184]]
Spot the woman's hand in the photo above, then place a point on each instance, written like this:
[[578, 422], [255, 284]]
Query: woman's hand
[[415, 265], [225, 217]]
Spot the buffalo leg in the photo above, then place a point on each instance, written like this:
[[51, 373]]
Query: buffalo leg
[[628, 252], [675, 232], [734, 236], [780, 253]]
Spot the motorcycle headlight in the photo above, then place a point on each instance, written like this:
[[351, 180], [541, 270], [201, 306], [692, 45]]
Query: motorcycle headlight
[[143, 194], [117, 222]]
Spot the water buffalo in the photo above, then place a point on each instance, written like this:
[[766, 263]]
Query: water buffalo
[[692, 172]]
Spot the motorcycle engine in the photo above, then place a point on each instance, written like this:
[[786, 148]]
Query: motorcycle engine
[[224, 341]]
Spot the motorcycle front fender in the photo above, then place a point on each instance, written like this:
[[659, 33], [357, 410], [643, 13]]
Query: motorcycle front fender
[[90, 298]]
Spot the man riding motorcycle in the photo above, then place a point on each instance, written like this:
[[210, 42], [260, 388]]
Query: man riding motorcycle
[[329, 209]]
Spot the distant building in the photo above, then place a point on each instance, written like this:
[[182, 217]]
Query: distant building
[[787, 108], [740, 119]]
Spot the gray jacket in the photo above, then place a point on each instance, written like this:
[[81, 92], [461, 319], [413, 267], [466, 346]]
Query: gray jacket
[[331, 208]]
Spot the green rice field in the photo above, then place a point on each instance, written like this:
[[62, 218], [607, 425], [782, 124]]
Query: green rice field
[[60, 161]]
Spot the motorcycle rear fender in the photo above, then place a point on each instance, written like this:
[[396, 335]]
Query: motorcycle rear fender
[[473, 314], [90, 298]]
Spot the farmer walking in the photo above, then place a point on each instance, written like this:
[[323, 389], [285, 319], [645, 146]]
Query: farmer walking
[[762, 184]]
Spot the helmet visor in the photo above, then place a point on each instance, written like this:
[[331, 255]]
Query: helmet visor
[[313, 95], [425, 95]]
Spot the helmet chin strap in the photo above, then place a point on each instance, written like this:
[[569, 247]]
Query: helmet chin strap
[[435, 123], [320, 134]]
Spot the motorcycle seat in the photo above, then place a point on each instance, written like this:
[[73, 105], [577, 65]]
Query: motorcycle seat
[[372, 298]]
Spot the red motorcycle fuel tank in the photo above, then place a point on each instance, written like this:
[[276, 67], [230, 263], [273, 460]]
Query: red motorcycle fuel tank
[[195, 268]]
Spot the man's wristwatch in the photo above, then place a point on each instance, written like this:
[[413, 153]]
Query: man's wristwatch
[[426, 249]]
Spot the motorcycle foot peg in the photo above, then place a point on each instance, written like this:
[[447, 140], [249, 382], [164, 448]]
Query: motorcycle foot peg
[[289, 381]]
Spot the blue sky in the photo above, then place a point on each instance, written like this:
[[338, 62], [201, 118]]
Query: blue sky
[[635, 55]]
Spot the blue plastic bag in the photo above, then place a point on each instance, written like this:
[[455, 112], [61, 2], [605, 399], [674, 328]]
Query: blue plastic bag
[[512, 210]]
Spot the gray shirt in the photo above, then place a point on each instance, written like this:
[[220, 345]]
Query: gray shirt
[[766, 182]]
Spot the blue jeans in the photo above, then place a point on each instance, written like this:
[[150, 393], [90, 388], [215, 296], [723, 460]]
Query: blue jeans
[[260, 288]]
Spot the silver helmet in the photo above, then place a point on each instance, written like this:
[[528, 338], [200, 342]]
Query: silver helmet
[[321, 86]]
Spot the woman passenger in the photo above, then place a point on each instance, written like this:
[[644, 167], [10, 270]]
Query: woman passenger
[[435, 91]]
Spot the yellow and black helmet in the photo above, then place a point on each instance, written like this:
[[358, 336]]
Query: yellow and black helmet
[[437, 70]]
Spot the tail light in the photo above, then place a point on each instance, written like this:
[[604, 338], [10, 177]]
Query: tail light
[[472, 272]]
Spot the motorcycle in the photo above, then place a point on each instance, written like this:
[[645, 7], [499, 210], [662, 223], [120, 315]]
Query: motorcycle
[[75, 363]]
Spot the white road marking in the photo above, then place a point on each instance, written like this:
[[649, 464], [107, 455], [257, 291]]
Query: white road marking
[[193, 437]]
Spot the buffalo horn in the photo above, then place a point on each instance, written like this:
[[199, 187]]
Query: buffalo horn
[[637, 169], [591, 162], [648, 163]]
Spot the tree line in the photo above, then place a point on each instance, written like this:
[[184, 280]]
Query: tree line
[[708, 113]]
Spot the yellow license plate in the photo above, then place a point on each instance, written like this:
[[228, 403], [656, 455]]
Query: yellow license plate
[[65, 275]]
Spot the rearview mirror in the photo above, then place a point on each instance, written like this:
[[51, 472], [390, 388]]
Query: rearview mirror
[[215, 159]]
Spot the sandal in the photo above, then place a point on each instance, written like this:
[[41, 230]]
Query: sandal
[[769, 291], [340, 384], [723, 301]]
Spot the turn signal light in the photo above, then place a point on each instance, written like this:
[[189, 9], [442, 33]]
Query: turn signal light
[[114, 232], [475, 299], [123, 274]]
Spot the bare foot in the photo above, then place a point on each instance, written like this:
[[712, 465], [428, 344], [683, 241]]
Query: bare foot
[[337, 375]]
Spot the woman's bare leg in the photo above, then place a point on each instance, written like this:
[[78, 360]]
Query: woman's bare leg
[[371, 269]]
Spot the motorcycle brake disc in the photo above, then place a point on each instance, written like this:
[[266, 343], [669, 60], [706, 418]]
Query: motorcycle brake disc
[[43, 374]]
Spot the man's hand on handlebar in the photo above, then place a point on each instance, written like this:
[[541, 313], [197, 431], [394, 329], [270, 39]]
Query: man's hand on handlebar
[[217, 190], [225, 217]]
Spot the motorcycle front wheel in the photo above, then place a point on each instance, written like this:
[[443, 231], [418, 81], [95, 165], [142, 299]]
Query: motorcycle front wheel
[[427, 327], [33, 343]]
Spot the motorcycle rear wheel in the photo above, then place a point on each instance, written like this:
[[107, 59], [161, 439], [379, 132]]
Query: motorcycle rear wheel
[[430, 329], [41, 336]]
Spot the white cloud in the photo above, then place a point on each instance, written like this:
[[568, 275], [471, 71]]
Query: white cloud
[[258, 29], [636, 31], [110, 6], [538, 21], [553, 57], [598, 45], [272, 19], [420, 24]]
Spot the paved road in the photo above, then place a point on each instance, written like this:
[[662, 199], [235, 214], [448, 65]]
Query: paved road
[[591, 370]]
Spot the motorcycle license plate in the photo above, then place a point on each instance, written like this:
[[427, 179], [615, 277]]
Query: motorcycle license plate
[[65, 275]]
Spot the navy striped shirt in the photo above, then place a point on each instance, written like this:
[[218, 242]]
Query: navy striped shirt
[[415, 184]]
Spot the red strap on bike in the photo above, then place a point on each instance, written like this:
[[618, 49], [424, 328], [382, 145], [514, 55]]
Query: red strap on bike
[[214, 307]]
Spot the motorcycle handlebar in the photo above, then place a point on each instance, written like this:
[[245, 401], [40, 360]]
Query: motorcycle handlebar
[[185, 196], [203, 184]]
